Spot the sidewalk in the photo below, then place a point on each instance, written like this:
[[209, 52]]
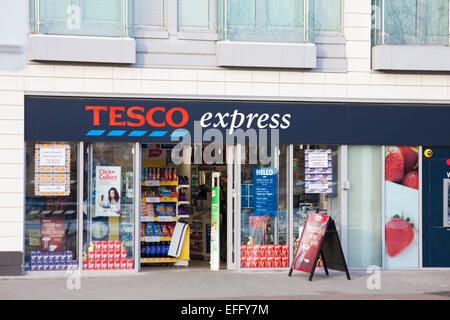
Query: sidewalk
[[200, 283]]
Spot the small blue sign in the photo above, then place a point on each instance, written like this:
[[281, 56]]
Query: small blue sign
[[265, 199]]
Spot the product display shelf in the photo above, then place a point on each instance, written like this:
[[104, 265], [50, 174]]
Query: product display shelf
[[157, 239]]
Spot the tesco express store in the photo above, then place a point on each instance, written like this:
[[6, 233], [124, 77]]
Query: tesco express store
[[108, 179]]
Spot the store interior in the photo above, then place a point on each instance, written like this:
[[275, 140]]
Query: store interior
[[177, 188]]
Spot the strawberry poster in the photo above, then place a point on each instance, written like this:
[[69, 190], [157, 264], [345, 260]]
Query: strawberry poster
[[402, 206]]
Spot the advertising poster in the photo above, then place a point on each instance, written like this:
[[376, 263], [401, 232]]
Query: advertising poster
[[107, 186], [318, 171], [265, 199], [402, 206], [52, 170], [52, 234], [308, 247]]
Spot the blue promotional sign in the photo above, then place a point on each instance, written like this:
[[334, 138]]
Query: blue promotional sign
[[265, 199]]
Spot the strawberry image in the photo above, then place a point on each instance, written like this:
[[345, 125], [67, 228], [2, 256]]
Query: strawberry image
[[394, 165], [411, 180], [411, 156], [399, 235]]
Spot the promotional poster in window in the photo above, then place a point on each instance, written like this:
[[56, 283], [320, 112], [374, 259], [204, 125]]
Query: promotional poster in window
[[107, 183]]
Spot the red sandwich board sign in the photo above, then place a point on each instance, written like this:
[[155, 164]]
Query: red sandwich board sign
[[319, 239]]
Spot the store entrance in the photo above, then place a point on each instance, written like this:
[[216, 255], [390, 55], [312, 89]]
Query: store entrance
[[176, 189]]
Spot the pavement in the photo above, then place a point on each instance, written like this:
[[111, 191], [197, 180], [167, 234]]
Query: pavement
[[197, 282]]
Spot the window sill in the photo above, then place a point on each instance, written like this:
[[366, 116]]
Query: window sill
[[410, 58], [82, 49], [266, 54], [152, 34], [206, 36]]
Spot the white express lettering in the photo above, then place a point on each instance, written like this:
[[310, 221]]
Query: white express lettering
[[237, 120]]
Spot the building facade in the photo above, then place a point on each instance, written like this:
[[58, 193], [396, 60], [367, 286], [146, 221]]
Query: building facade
[[364, 83]]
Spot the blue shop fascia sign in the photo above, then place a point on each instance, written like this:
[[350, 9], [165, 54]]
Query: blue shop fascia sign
[[155, 120]]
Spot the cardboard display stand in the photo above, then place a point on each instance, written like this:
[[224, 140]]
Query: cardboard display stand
[[319, 239]]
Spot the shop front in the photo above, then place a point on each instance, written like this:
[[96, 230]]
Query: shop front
[[110, 181]]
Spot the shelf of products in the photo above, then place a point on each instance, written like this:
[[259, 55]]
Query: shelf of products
[[163, 203]]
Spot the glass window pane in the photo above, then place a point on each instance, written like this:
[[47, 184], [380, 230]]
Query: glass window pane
[[436, 19], [108, 239], [241, 13], [51, 206], [327, 15], [309, 199], [148, 13], [400, 21], [266, 21], [102, 10], [193, 14], [286, 13], [263, 213], [364, 206], [91, 18]]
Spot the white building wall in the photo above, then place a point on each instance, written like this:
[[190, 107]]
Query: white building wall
[[359, 83]]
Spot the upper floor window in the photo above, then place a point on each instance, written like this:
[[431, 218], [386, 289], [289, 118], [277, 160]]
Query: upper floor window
[[327, 16], [266, 20], [80, 17], [411, 22], [149, 14], [193, 15]]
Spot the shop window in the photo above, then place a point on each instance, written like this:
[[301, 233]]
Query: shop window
[[51, 218], [315, 186], [108, 217], [264, 242], [78, 17], [266, 20]]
